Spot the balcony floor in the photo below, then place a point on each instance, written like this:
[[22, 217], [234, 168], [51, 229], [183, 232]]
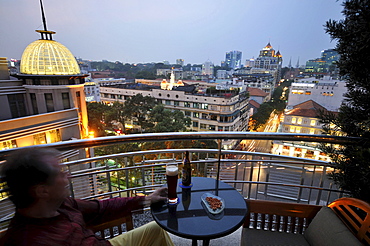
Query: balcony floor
[[232, 239]]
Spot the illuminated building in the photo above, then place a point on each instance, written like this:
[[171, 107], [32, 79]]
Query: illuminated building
[[323, 65], [303, 118], [268, 62], [207, 68], [45, 103], [209, 110], [327, 92], [234, 59]]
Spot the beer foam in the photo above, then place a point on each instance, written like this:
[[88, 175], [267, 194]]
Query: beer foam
[[172, 170]]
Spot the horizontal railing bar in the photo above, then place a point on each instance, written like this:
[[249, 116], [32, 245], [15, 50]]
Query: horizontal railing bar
[[173, 136], [170, 151], [120, 191], [280, 184]]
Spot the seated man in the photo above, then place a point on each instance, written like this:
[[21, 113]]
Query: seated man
[[46, 215]]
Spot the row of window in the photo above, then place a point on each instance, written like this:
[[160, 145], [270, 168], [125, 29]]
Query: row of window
[[202, 126], [304, 121], [204, 106], [297, 129], [39, 138]]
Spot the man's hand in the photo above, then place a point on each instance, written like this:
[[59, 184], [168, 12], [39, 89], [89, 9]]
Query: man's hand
[[159, 195]]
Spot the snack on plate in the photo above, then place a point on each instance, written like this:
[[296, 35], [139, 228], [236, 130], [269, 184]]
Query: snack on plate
[[214, 203]]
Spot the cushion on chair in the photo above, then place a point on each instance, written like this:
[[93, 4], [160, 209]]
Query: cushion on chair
[[269, 238], [326, 229]]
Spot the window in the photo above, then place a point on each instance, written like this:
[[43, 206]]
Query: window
[[213, 117], [17, 107], [195, 124], [226, 128], [312, 131], [78, 97], [313, 122], [65, 99], [204, 105], [203, 126], [195, 114], [212, 127], [195, 105], [168, 102], [8, 144], [187, 104], [34, 103], [220, 128], [292, 128], [176, 103], [53, 136], [113, 96], [158, 100], [39, 138], [187, 113], [294, 120], [299, 121], [49, 102]]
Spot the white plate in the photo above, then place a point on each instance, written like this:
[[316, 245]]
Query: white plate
[[212, 211]]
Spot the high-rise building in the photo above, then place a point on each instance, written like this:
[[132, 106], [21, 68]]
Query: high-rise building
[[268, 59], [207, 68], [324, 64], [180, 62], [234, 59]]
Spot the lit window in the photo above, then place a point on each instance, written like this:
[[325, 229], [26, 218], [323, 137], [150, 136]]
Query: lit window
[[313, 122], [294, 120], [299, 121], [292, 128], [187, 104], [298, 130], [312, 131]]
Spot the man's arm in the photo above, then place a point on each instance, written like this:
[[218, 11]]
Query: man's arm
[[96, 212]]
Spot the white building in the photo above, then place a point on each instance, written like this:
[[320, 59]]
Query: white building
[[207, 68], [209, 110], [326, 92]]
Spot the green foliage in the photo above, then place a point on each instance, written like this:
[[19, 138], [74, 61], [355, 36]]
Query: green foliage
[[139, 107], [166, 120], [352, 168], [96, 116]]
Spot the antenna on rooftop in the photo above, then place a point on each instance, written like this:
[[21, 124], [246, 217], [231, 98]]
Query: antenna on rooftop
[[45, 34]]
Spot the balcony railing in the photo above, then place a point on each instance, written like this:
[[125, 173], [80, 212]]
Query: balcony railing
[[255, 175]]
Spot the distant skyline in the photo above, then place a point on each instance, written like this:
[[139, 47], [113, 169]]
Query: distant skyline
[[153, 31]]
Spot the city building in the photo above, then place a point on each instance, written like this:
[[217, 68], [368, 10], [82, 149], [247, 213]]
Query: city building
[[307, 99], [325, 64], [326, 91], [233, 59], [303, 118], [207, 68], [208, 108], [180, 62], [45, 102], [268, 59]]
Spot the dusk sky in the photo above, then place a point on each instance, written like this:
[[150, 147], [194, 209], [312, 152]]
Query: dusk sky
[[156, 30]]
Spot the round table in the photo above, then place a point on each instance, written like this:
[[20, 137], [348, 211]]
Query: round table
[[190, 219]]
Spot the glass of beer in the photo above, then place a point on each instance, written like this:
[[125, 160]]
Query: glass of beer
[[172, 172]]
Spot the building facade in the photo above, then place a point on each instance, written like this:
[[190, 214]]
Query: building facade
[[233, 59], [210, 110]]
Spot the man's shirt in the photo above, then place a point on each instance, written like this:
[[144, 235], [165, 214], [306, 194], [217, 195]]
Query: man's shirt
[[69, 227]]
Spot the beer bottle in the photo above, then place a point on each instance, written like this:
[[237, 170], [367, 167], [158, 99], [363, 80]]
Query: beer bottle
[[186, 170]]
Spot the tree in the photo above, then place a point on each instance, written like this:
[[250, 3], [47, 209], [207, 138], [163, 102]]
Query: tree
[[138, 107], [117, 112], [166, 120], [351, 162], [96, 118]]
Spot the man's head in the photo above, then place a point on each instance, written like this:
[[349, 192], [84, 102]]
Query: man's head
[[32, 174]]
